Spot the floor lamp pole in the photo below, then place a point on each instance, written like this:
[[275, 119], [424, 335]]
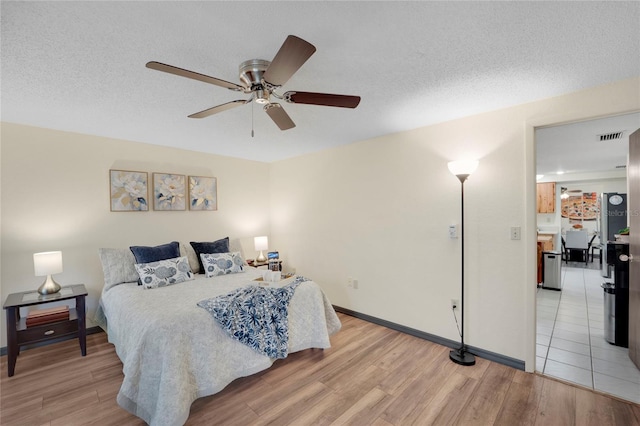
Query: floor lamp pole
[[460, 355]]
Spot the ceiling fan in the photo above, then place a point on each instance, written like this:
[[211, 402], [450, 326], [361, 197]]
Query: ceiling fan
[[262, 78]]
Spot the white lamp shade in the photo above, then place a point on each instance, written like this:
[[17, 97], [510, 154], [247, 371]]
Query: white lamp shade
[[261, 243], [462, 167], [47, 263]]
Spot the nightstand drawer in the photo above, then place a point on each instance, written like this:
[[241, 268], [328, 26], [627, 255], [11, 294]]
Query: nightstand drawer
[[47, 331]]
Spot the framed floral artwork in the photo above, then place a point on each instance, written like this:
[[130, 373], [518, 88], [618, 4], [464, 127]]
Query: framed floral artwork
[[169, 192], [203, 193], [129, 191]]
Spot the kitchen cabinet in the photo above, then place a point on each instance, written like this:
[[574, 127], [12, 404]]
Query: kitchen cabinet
[[546, 199], [547, 241]]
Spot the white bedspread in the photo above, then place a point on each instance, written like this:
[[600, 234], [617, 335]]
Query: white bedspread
[[173, 352]]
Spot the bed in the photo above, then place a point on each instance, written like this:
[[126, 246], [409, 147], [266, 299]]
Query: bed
[[173, 351]]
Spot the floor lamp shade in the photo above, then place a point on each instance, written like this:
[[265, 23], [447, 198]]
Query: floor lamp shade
[[47, 264], [462, 169], [260, 244]]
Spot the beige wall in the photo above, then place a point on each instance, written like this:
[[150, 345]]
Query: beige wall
[[55, 196], [379, 210]]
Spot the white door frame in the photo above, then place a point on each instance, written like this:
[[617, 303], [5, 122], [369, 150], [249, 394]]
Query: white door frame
[[530, 236]]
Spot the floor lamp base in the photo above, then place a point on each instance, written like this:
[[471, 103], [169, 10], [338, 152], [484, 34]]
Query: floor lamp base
[[462, 357]]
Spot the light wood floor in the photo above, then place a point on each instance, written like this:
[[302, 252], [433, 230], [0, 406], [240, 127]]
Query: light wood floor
[[371, 376]]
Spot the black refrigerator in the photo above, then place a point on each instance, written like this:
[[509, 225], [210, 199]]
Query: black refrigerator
[[613, 217]]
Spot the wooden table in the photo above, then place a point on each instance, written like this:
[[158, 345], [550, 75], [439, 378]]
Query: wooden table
[[266, 263], [18, 334]]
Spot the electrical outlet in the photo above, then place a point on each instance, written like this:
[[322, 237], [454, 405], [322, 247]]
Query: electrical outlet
[[454, 303], [350, 282], [355, 284], [453, 231]]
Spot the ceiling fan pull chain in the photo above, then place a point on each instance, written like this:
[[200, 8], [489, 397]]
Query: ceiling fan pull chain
[[251, 119]]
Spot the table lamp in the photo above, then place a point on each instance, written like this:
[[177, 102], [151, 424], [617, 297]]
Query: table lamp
[[260, 244], [48, 263]]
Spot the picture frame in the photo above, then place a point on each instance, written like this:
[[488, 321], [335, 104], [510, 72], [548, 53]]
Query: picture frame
[[585, 206], [129, 191], [203, 193], [169, 192]]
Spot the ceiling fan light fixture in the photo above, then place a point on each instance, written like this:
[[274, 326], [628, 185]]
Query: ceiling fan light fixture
[[262, 97]]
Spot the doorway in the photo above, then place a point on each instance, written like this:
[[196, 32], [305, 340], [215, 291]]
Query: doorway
[[570, 344]]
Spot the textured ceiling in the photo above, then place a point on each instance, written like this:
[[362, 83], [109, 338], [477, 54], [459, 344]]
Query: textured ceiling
[[595, 146], [80, 66]]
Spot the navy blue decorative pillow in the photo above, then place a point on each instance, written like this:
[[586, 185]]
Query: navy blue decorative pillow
[[153, 254], [144, 254], [218, 246]]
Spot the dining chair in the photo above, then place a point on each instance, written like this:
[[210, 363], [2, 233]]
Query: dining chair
[[593, 247], [577, 243]]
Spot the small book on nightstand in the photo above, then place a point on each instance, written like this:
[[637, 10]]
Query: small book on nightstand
[[45, 316]]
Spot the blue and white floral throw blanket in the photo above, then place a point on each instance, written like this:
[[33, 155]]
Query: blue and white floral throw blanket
[[256, 316]]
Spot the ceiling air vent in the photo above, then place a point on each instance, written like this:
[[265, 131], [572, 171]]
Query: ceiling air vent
[[624, 166], [611, 136]]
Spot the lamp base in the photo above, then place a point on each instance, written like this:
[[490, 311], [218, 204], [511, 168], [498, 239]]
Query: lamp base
[[261, 257], [49, 286], [462, 357]]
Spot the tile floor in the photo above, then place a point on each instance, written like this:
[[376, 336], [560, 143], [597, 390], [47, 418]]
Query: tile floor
[[570, 336]]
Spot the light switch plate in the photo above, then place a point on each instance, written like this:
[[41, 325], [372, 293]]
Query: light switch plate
[[515, 232]]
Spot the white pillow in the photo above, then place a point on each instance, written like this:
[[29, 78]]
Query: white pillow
[[222, 263], [164, 272], [187, 250]]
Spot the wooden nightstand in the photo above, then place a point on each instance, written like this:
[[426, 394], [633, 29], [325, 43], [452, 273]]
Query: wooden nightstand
[[18, 334], [266, 263]]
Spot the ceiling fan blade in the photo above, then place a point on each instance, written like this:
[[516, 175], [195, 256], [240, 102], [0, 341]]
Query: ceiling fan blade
[[279, 116], [292, 54], [194, 75], [326, 99], [219, 108]]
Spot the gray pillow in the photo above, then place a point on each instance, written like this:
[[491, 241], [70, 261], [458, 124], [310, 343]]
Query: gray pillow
[[118, 266]]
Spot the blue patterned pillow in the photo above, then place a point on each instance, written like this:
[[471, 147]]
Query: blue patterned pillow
[[164, 272], [222, 263]]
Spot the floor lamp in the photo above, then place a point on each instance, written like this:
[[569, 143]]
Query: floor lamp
[[462, 169]]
